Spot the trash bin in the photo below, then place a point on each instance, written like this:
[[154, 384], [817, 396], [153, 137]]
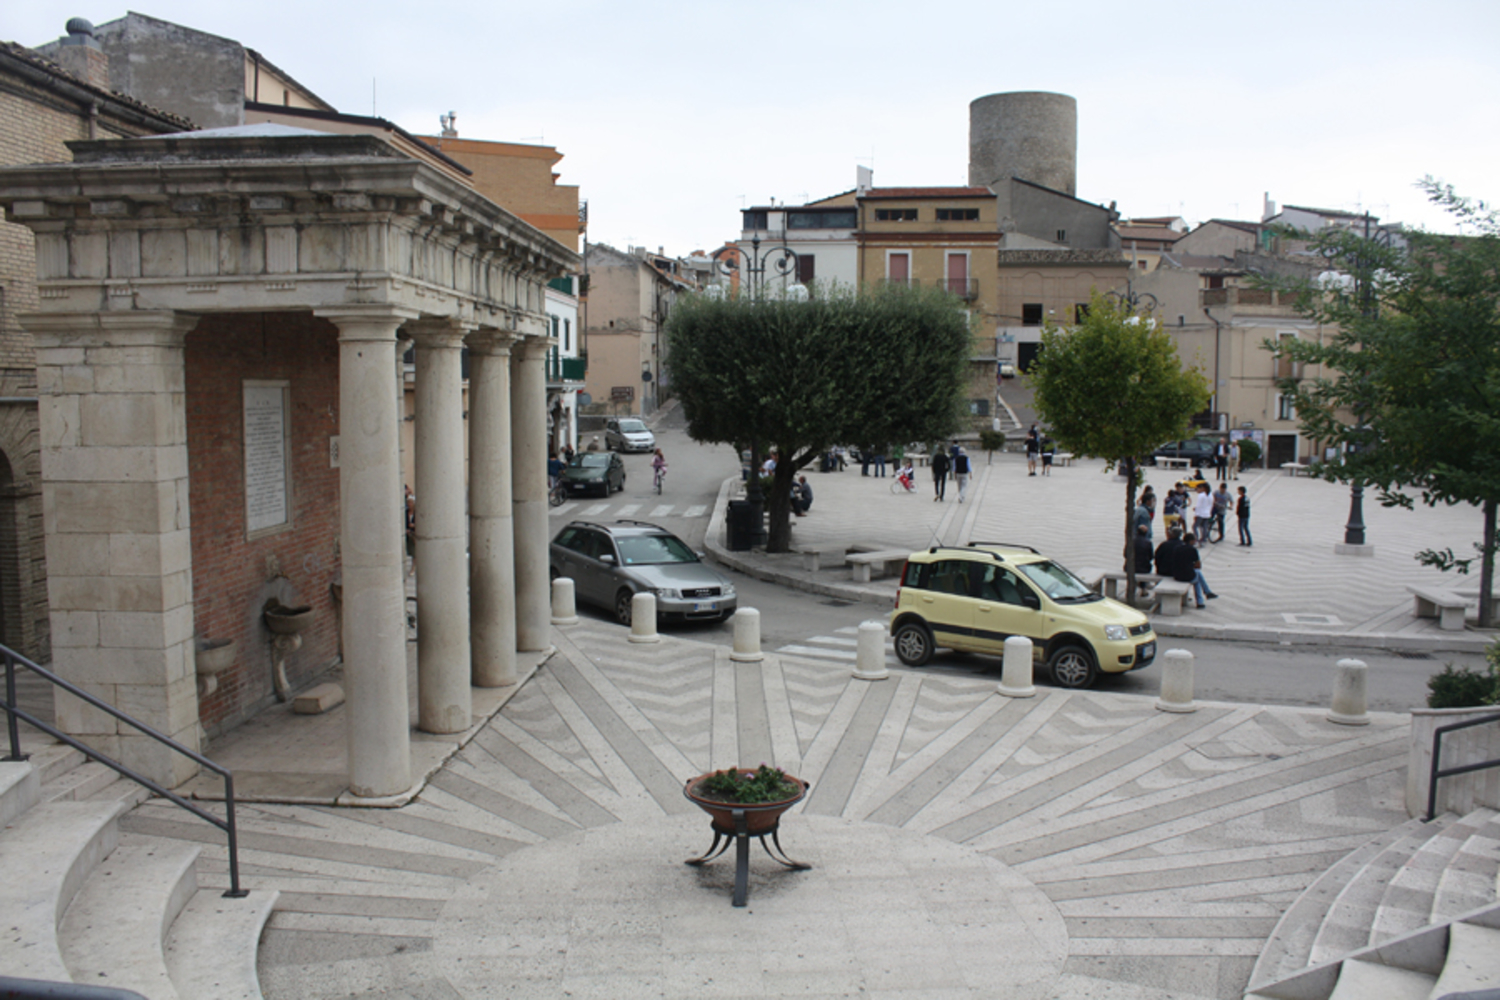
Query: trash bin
[[742, 527]]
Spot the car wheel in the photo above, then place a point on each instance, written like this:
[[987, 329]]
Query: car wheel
[[1073, 667], [622, 605], [913, 642]]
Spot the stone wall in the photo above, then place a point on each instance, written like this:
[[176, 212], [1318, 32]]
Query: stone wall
[[235, 575]]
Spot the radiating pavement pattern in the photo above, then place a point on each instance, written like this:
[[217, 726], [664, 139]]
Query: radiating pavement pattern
[[1076, 844]]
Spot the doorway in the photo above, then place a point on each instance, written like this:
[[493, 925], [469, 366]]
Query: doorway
[[1280, 448]]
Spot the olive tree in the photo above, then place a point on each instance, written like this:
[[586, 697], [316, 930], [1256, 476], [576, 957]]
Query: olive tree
[[869, 369]]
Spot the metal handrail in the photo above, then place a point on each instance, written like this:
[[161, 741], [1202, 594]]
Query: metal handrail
[[42, 989], [1440, 772], [14, 712]]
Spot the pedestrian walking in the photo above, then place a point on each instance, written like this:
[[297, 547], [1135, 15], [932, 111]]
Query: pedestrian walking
[[1049, 448], [1203, 511], [1242, 512], [961, 471], [1234, 459], [1033, 448], [1221, 460], [1222, 502], [940, 465]]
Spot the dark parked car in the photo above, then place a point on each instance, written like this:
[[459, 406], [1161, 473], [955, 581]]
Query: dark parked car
[[610, 563], [1197, 451], [600, 472]]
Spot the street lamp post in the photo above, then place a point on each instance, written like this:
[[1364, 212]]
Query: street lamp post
[[1354, 529], [781, 261]]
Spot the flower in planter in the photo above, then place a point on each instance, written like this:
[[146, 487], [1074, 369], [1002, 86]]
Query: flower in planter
[[747, 787]]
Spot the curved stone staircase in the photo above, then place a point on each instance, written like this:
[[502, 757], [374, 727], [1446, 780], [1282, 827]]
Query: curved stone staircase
[[1415, 912], [83, 901]]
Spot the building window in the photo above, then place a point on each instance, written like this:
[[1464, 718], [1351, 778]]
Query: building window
[[895, 215], [807, 268], [844, 218], [1141, 264], [1080, 312], [1215, 281], [1284, 408], [957, 214], [979, 407], [755, 220], [1031, 314], [898, 268], [1062, 236], [567, 335]]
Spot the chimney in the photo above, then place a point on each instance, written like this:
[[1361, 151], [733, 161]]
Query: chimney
[[450, 124], [80, 54]]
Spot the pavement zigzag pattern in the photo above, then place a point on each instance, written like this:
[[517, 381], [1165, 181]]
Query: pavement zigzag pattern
[[1166, 846]]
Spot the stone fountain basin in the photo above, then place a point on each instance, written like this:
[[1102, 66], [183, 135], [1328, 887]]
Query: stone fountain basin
[[214, 655], [283, 620]]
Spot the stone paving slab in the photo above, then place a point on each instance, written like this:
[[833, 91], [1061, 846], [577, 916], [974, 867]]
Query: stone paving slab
[[965, 845]]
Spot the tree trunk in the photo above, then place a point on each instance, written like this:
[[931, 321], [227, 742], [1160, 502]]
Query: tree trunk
[[1129, 468], [1487, 569], [779, 507]]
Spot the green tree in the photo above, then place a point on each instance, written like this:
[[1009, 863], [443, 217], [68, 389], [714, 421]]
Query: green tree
[[1112, 387], [867, 369], [1414, 383]]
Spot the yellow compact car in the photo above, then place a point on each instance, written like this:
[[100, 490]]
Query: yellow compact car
[[972, 599]]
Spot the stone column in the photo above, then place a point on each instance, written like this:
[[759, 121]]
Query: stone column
[[492, 545], [119, 550], [528, 437], [370, 536], [443, 702]]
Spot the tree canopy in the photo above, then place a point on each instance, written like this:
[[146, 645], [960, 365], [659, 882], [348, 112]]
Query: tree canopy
[[872, 369], [1112, 387], [1414, 388]]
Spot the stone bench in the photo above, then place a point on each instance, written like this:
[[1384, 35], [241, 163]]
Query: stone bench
[[1293, 468], [812, 558], [1444, 605], [1109, 584], [1172, 596], [1175, 463], [1063, 458], [867, 565]]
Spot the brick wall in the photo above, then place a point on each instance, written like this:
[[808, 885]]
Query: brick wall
[[234, 577]]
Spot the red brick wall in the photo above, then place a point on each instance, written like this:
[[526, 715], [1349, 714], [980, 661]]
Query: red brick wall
[[233, 577]]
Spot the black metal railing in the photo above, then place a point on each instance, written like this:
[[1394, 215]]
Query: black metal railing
[[15, 714], [1441, 772], [41, 989], [964, 288]]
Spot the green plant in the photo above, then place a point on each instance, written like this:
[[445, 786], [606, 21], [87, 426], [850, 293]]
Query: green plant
[[1249, 453], [762, 785], [991, 442], [1464, 688]]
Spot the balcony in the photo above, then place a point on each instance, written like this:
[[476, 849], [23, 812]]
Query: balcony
[[965, 288], [901, 282], [567, 369]]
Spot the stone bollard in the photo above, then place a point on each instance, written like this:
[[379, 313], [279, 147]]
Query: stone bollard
[[1349, 694], [746, 636], [869, 653], [643, 618], [564, 607], [1015, 681], [1176, 682]]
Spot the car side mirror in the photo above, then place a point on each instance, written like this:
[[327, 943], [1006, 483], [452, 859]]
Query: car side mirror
[[1031, 601], [607, 557]]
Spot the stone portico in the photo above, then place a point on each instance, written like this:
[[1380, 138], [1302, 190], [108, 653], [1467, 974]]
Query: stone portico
[[286, 273]]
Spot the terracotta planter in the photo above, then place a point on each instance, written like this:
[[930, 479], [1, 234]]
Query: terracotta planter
[[760, 817]]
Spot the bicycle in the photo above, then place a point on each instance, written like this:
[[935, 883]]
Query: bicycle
[[903, 484], [661, 477], [558, 494]]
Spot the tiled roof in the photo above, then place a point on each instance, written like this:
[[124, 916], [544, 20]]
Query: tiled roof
[[929, 192], [1161, 233], [36, 60]]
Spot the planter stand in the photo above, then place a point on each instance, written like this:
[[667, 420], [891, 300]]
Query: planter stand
[[766, 820]]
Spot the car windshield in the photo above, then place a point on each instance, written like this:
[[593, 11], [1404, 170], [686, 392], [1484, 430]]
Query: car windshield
[[632, 426], [1056, 582], [591, 460], [650, 550]]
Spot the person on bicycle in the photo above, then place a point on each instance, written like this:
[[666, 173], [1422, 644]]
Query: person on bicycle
[[659, 468], [907, 475]]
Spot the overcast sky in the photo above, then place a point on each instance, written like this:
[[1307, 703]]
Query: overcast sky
[[672, 117]]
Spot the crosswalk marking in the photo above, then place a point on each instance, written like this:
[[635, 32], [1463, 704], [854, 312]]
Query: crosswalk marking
[[839, 648], [628, 510], [662, 511], [696, 510]]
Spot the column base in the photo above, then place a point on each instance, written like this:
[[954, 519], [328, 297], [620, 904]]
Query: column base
[[1346, 549]]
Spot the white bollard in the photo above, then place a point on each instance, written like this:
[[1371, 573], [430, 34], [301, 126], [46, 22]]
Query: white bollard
[[746, 636], [1176, 682], [564, 607], [1015, 680], [643, 618], [1349, 694], [869, 653]]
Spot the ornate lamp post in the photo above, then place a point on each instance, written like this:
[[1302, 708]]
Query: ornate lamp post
[[1364, 291], [781, 261]]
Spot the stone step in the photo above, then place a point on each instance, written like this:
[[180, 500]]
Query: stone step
[[211, 949], [1406, 904], [114, 931], [46, 855], [1346, 927], [20, 789], [1472, 879], [1473, 961], [1289, 948], [1360, 980]]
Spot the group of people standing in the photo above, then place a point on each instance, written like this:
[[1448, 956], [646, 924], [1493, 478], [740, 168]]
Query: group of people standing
[[956, 461], [1039, 445], [1177, 556]]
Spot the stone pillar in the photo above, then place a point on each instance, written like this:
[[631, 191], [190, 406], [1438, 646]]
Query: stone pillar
[[1349, 694], [443, 701], [528, 437], [119, 548], [370, 536], [492, 539]]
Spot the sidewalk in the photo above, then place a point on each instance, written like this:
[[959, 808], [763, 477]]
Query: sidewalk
[[1288, 587]]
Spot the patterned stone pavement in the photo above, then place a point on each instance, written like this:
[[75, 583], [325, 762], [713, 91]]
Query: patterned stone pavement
[[1076, 844]]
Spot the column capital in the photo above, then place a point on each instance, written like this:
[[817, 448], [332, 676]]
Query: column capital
[[433, 331], [135, 328], [491, 341], [367, 323], [532, 348]]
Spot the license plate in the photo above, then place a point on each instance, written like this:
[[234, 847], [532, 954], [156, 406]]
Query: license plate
[[706, 606], [1148, 651]]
